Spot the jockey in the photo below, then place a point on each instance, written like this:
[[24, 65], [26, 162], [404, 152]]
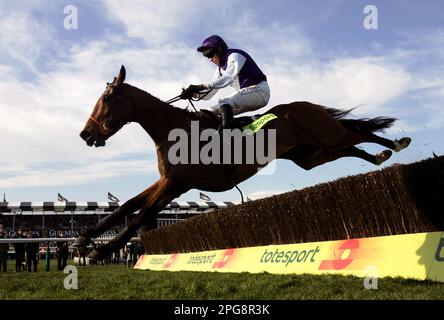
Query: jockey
[[237, 69]]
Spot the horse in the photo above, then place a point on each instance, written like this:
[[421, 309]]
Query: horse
[[307, 134]]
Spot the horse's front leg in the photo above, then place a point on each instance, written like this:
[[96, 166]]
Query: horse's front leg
[[110, 220], [156, 201]]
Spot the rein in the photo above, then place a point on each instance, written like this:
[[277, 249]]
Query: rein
[[190, 100], [105, 131], [175, 99]]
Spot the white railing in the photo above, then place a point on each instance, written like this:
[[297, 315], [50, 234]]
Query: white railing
[[28, 240]]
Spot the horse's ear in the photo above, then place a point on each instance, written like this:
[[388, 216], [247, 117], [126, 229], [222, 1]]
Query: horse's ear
[[121, 76]]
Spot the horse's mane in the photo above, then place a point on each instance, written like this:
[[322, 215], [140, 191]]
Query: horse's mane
[[157, 100]]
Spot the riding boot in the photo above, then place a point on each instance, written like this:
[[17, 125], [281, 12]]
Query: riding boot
[[227, 116]]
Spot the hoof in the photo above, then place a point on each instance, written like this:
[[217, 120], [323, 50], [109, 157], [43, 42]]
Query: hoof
[[96, 255], [382, 157], [81, 241], [402, 143]]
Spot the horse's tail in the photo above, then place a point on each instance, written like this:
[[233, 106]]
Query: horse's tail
[[361, 125], [368, 125]]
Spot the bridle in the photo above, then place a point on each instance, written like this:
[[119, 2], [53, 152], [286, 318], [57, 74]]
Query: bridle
[[105, 126]]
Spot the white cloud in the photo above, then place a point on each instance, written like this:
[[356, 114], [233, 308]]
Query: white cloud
[[41, 119], [22, 38], [343, 83], [157, 22], [81, 174], [288, 42]]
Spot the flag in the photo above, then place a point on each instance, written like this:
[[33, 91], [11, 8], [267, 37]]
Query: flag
[[112, 198], [204, 197], [61, 198]]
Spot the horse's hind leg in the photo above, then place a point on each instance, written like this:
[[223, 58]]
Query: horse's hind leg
[[395, 145], [309, 157], [376, 159]]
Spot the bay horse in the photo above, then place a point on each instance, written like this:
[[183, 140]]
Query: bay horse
[[306, 133]]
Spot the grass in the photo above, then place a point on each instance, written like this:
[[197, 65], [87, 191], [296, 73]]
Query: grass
[[119, 282]]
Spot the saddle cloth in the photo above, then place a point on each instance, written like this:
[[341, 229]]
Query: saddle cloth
[[208, 119]]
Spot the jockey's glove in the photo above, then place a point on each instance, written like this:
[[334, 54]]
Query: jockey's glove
[[192, 89]]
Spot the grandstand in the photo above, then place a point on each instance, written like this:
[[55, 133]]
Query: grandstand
[[68, 219], [52, 222]]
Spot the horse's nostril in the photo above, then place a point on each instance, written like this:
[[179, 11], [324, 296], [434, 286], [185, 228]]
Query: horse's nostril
[[85, 134]]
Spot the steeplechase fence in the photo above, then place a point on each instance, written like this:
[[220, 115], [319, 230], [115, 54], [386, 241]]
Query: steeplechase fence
[[389, 220]]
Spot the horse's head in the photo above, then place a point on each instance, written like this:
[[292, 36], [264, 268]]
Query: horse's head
[[111, 112]]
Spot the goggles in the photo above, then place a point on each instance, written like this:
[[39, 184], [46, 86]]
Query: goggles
[[209, 53]]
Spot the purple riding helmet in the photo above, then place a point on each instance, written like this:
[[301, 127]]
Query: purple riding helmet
[[213, 44]]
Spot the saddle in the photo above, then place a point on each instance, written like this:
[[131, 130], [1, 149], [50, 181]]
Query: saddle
[[209, 120]]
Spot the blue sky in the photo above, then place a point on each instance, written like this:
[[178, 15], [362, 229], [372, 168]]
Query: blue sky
[[310, 50]]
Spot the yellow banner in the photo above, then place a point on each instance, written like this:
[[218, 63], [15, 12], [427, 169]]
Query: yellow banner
[[417, 256]]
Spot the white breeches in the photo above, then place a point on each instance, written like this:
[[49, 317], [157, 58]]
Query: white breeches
[[247, 99]]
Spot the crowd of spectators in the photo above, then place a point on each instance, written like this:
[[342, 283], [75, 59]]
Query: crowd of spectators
[[27, 255]]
